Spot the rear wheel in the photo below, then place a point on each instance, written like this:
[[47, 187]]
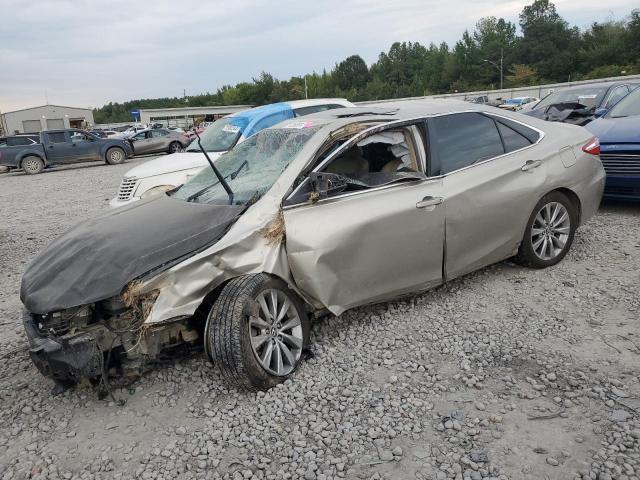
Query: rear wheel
[[32, 165], [175, 147], [549, 232], [115, 156], [256, 331]]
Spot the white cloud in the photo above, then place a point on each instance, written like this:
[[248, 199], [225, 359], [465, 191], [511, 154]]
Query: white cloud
[[89, 52]]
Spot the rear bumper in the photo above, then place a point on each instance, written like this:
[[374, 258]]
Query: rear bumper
[[68, 359], [622, 187]]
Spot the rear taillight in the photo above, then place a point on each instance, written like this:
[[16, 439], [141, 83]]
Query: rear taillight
[[592, 147]]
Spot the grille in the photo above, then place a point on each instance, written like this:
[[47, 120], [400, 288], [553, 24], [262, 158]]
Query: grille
[[127, 187], [621, 163], [60, 323], [56, 323]]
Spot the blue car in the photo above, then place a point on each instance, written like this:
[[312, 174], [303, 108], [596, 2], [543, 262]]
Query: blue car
[[619, 134]]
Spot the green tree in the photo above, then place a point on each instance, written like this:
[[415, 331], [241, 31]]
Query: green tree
[[548, 44], [351, 73]]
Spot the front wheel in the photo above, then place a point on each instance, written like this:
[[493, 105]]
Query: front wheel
[[549, 233], [256, 331], [115, 156]]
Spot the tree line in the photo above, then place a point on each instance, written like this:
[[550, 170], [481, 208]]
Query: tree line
[[547, 50]]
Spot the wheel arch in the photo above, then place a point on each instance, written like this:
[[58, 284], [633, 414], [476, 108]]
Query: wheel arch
[[573, 197], [202, 311]]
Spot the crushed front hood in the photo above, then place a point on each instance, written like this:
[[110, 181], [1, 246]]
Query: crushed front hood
[[97, 258]]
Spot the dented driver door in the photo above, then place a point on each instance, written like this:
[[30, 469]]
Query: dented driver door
[[367, 246]]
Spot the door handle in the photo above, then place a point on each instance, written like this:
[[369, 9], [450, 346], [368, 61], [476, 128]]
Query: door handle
[[429, 201], [530, 165]]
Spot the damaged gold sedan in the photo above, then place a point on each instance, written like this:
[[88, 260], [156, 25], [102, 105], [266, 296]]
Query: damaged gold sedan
[[348, 207]]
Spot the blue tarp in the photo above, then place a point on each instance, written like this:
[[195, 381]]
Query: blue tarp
[[255, 119]]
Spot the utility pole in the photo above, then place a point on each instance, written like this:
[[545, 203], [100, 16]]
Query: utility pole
[[501, 70], [306, 91], [499, 67]]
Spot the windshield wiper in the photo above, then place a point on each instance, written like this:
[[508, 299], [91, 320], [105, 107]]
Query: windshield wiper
[[221, 179]]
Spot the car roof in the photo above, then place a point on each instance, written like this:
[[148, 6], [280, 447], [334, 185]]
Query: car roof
[[398, 110], [319, 101], [593, 85]]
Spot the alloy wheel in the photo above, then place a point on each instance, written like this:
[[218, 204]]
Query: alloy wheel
[[550, 230], [31, 165], [276, 332], [116, 155]]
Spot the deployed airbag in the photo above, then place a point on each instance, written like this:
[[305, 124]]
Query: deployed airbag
[[98, 257]]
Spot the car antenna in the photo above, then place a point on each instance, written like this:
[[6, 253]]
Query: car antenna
[[221, 179]]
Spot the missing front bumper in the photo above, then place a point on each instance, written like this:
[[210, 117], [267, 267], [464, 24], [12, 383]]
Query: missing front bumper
[[68, 359]]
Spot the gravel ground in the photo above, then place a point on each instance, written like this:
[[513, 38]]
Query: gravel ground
[[507, 373]]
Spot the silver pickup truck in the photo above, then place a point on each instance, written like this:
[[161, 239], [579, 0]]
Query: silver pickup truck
[[60, 147]]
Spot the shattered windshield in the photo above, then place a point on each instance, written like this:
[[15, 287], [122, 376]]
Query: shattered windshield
[[221, 136], [628, 106], [251, 168], [590, 97]]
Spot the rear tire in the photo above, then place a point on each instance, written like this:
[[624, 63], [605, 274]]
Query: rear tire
[[115, 156], [32, 165], [241, 329], [549, 233], [175, 147]]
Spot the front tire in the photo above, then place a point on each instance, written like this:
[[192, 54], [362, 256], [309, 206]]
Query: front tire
[[32, 165], [256, 331], [115, 156], [549, 233]]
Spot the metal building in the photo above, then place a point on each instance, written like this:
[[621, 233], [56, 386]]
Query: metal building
[[45, 117]]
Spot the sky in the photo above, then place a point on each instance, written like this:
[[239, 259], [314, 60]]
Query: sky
[[86, 53]]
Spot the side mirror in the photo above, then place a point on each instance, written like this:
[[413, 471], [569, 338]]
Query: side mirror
[[325, 184], [601, 112]]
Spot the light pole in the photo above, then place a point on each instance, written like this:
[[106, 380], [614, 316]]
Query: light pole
[[499, 67]]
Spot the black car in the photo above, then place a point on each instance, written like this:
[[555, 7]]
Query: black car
[[580, 104]]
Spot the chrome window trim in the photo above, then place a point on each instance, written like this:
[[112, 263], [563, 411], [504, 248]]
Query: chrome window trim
[[365, 132]]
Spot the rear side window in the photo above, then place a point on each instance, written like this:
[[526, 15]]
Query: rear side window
[[56, 137], [512, 139], [462, 139]]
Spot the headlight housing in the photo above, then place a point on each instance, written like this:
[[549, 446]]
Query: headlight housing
[[155, 191]]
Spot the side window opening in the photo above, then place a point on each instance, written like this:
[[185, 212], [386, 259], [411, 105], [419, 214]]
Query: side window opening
[[382, 158], [383, 152], [56, 137]]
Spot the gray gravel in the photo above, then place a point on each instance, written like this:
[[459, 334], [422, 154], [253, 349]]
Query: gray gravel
[[507, 373]]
